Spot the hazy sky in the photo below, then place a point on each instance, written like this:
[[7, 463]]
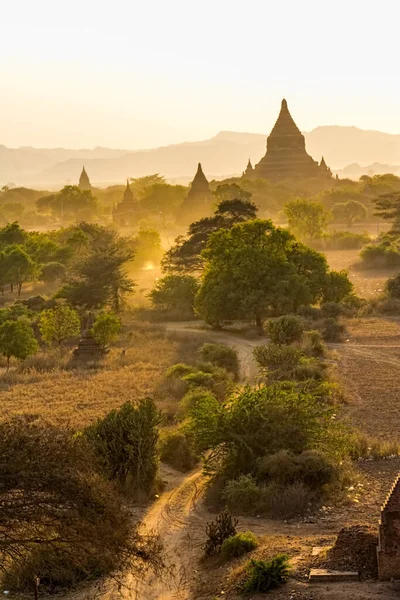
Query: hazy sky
[[143, 73]]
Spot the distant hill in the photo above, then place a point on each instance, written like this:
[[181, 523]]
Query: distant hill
[[224, 155]]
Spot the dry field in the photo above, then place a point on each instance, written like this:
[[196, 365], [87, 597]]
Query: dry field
[[78, 396]]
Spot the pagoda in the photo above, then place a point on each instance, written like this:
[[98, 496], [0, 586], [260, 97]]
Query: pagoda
[[125, 212], [249, 171], [84, 182], [286, 156], [199, 197], [87, 347]]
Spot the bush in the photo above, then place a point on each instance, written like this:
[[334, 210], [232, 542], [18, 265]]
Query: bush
[[285, 501], [337, 286], [175, 294], [393, 287], [332, 331], [222, 356], [341, 240], [53, 271], [332, 310], [308, 368], [314, 344], [242, 495], [199, 379], [106, 328], [309, 312], [262, 576], [389, 306], [126, 442], [239, 544], [176, 450], [218, 531], [278, 361], [179, 370], [190, 399], [382, 255], [286, 330]]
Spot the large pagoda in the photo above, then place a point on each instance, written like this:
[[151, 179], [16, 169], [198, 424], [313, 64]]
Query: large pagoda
[[286, 156], [198, 199], [125, 213]]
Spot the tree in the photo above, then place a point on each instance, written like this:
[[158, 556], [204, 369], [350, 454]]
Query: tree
[[232, 191], [306, 219], [59, 517], [126, 442], [17, 340], [349, 212], [337, 286], [387, 206], [59, 324], [52, 272], [19, 267], [147, 247], [99, 277], [106, 328], [255, 267], [11, 235], [186, 254], [70, 203], [163, 199], [175, 293]]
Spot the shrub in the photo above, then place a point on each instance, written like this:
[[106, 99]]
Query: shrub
[[106, 328], [126, 442], [176, 294], [53, 271], [285, 501], [314, 344], [332, 310], [239, 544], [389, 306], [218, 531], [382, 255], [242, 495], [277, 361], [179, 370], [332, 331], [262, 576], [199, 379], [190, 399], [337, 286], [341, 240], [176, 449], [393, 287], [309, 312], [308, 368], [222, 356], [286, 330]]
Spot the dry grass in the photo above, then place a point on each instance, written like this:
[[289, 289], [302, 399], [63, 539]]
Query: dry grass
[[79, 396]]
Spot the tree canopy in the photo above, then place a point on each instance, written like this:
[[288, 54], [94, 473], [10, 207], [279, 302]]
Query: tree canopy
[[306, 219]]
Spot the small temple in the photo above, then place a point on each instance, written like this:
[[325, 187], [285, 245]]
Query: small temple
[[125, 212], [388, 551], [249, 171], [286, 156], [87, 347], [199, 196], [84, 182]]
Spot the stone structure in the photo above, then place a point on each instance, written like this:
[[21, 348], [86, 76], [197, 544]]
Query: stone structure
[[87, 347], [286, 156], [198, 199], [125, 212], [249, 171], [388, 551], [84, 182]]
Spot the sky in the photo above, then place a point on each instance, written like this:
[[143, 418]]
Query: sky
[[145, 73]]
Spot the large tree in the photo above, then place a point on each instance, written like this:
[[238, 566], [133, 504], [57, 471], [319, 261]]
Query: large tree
[[59, 324], [185, 254], [349, 212], [17, 340], [306, 219], [387, 206], [19, 266], [255, 267]]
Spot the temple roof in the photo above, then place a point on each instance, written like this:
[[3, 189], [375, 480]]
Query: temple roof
[[128, 194], [284, 123], [84, 182], [200, 182]]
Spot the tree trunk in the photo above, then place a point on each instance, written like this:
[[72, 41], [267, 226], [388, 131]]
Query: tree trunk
[[11, 287], [19, 289], [8, 363], [259, 324]]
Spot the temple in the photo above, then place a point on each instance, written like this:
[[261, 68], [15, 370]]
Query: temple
[[125, 212], [198, 198], [249, 171], [286, 156], [388, 551], [84, 182], [87, 347]]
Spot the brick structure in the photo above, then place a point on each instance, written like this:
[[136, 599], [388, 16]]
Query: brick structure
[[388, 551]]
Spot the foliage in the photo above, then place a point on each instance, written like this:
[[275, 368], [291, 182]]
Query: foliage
[[176, 449], [393, 287], [59, 324], [349, 212], [52, 271], [307, 220], [11, 235], [175, 293], [278, 361], [68, 524], [162, 199], [313, 344], [218, 531], [382, 255], [255, 267], [332, 331], [147, 247], [387, 206], [186, 254], [179, 370], [99, 276], [17, 340], [222, 356], [242, 495], [341, 240], [19, 267], [262, 576], [337, 286], [286, 330], [286, 501], [106, 328], [126, 442], [311, 467], [238, 545], [71, 203]]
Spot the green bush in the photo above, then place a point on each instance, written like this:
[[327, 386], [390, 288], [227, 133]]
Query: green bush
[[382, 255], [337, 286], [286, 330], [176, 450], [242, 495], [175, 294], [393, 287], [126, 442], [262, 576], [314, 344], [285, 501], [193, 396], [239, 544], [179, 370], [309, 312], [311, 467], [278, 361], [308, 368], [221, 356], [332, 310], [341, 240], [332, 331], [218, 531]]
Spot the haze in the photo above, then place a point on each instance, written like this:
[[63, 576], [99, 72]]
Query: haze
[[143, 74]]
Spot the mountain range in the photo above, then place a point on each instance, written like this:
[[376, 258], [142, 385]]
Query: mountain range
[[349, 151]]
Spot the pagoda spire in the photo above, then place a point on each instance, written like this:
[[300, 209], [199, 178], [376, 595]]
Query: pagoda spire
[[84, 182], [248, 172]]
